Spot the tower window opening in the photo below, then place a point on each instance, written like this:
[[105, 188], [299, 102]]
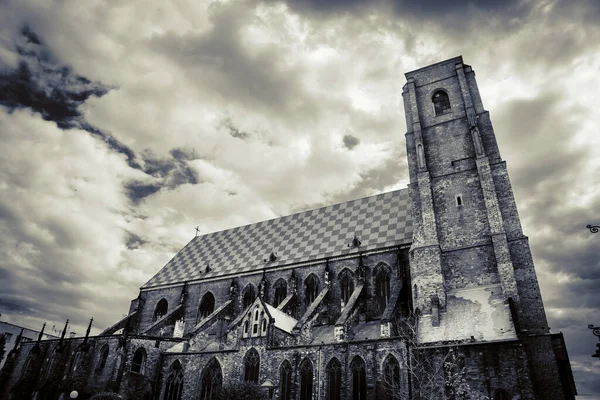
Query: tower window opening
[[459, 201], [441, 103]]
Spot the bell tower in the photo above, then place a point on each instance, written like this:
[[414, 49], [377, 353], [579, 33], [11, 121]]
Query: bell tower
[[467, 233]]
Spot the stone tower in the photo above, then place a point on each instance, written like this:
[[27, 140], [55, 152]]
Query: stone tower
[[471, 268]]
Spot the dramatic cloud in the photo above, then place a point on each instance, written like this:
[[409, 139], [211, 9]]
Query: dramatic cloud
[[124, 127]]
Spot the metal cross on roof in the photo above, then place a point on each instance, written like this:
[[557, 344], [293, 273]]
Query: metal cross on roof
[[197, 230]]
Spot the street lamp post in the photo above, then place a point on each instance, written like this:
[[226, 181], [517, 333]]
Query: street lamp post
[[596, 332], [593, 228]]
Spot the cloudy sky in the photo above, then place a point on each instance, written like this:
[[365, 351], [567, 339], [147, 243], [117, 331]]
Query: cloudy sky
[[123, 127]]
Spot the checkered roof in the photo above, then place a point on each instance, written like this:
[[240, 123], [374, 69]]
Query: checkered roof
[[379, 221]]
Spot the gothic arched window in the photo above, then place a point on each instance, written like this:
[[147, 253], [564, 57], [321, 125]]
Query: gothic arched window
[[212, 379], [248, 296], [174, 384], [391, 379], [48, 365], [285, 381], [359, 379], [207, 306], [139, 359], [334, 380], [75, 363], [251, 366], [102, 357], [382, 288], [161, 309], [280, 292], [306, 380], [346, 281], [312, 288], [441, 102]]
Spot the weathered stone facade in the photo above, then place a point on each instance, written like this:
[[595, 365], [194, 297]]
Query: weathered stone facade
[[349, 320]]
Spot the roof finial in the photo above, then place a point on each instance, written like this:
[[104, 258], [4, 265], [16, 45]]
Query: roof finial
[[87, 333], [62, 336]]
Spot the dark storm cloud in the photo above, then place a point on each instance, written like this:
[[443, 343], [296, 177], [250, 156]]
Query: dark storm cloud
[[175, 170], [133, 241], [350, 141], [169, 172], [42, 84], [233, 131], [136, 191], [45, 86], [455, 13]]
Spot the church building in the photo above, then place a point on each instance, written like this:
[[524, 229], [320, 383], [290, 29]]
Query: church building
[[427, 292]]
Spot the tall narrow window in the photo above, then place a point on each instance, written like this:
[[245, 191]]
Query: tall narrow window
[[306, 380], [441, 102], [334, 380], [207, 306], [48, 365], [391, 379], [280, 292], [249, 296], [312, 288], [251, 366], [382, 288], [102, 357], [139, 359], [285, 380], [161, 309], [212, 379], [174, 383], [75, 363], [346, 286], [359, 379]]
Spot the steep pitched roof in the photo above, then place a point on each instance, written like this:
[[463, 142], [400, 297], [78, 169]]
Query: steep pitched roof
[[282, 320], [380, 221]]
